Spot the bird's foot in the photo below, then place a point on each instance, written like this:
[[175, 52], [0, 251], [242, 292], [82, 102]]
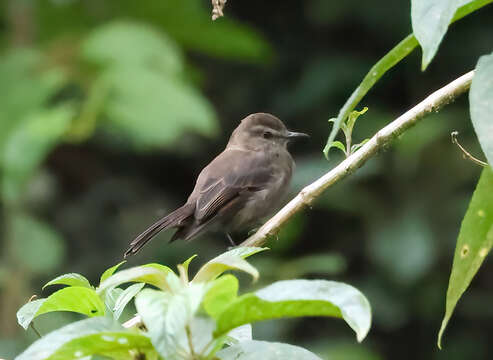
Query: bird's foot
[[231, 242]]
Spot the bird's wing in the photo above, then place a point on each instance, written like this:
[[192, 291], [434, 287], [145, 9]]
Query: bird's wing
[[231, 174]]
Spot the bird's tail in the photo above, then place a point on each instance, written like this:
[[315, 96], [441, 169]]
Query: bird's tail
[[175, 219]]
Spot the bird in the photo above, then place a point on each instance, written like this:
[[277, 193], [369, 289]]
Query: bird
[[244, 184]]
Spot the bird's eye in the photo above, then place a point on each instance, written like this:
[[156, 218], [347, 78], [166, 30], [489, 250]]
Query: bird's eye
[[267, 135]]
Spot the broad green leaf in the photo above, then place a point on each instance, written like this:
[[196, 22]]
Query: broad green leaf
[[28, 312], [147, 99], [25, 77], [163, 268], [295, 298], [29, 238], [125, 297], [481, 108], [152, 109], [27, 146], [108, 272], [146, 274], [132, 43], [71, 279], [167, 314], [392, 58], [239, 334], [84, 124], [95, 336], [473, 244], [230, 260], [220, 294], [254, 350], [74, 298], [430, 19]]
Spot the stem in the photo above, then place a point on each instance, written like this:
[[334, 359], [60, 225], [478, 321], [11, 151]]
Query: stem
[[348, 142], [190, 343], [466, 154], [381, 139]]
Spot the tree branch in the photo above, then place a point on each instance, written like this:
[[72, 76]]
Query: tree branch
[[382, 138]]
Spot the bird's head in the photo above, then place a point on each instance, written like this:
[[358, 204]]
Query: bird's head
[[262, 130]]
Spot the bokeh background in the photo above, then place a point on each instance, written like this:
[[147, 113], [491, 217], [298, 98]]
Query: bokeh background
[[109, 109]]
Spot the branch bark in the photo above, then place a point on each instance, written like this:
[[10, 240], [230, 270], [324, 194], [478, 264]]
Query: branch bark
[[381, 139]]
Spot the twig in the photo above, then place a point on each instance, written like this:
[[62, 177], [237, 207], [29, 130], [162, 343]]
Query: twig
[[217, 8], [382, 138], [465, 153]]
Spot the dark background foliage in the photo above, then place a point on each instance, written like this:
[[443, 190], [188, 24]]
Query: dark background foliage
[[389, 230]]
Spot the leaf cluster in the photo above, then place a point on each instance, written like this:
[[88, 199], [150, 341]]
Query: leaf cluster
[[201, 318]]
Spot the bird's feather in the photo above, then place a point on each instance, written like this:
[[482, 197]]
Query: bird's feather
[[246, 173]]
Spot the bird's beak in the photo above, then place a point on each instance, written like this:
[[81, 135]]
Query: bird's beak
[[291, 135]]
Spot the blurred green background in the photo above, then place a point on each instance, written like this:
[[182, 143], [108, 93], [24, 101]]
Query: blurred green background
[[109, 109]]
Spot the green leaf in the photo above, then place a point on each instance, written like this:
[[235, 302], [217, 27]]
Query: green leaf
[[338, 145], [24, 76], [392, 58], [480, 97], [29, 238], [187, 262], [110, 297], [125, 297], [152, 109], [27, 146], [473, 244], [95, 336], [149, 274], [28, 312], [220, 294], [353, 116], [75, 298], [239, 334], [71, 279], [295, 298], [230, 260], [430, 20], [254, 350], [469, 7], [108, 272], [147, 99], [166, 316], [132, 43], [399, 52]]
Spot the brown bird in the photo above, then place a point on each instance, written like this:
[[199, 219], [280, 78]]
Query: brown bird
[[240, 187]]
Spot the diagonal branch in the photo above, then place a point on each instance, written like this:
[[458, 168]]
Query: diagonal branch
[[382, 138]]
